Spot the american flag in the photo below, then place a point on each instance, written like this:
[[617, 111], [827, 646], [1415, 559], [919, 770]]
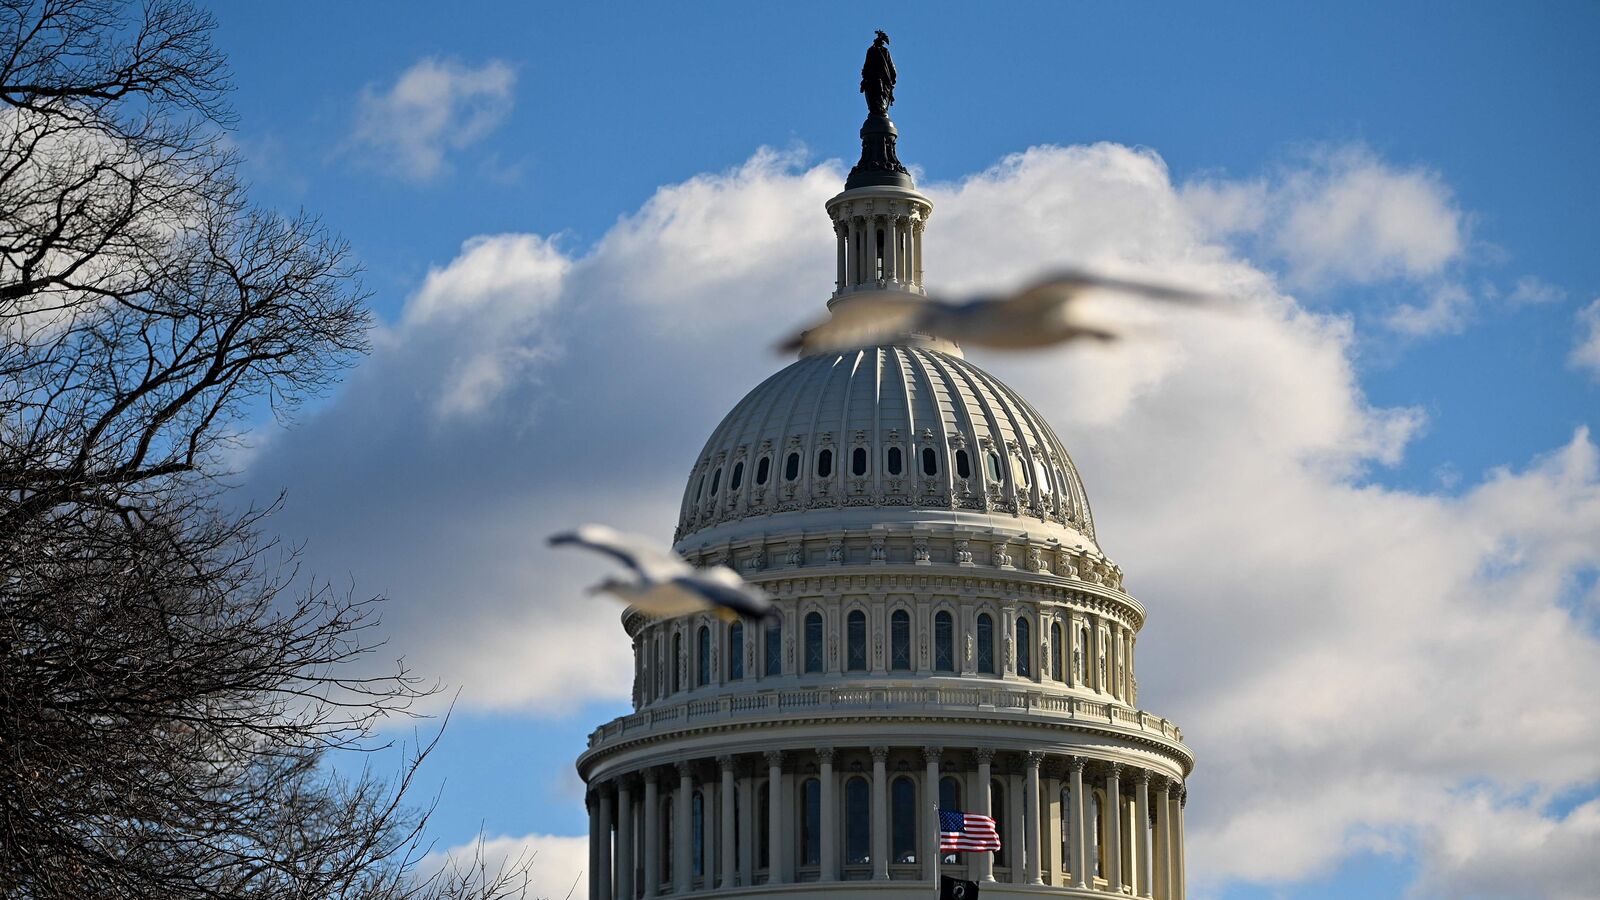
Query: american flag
[[966, 831]]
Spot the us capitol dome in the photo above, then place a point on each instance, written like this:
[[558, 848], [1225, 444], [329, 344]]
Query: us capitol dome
[[950, 632]]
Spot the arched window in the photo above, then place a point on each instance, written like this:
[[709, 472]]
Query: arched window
[[810, 822], [716, 479], [1066, 829], [1096, 828], [857, 822], [1019, 472], [699, 483], [702, 654], [903, 820], [1042, 476], [963, 466], [667, 822], [774, 648], [991, 461], [697, 832], [763, 818], [814, 651], [677, 661], [1056, 670], [763, 469], [1024, 648], [950, 798], [985, 644], [997, 810], [1081, 664], [824, 463], [1104, 666], [736, 651], [930, 462], [858, 461], [896, 463], [944, 656], [900, 641], [791, 467], [855, 629], [737, 478]]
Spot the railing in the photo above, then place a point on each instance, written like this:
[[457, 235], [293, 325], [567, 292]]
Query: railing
[[777, 703]]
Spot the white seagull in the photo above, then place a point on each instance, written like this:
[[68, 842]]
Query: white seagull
[[1040, 315], [666, 585]]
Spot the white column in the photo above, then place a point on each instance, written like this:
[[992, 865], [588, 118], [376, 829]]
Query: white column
[[1163, 861], [1141, 833], [591, 805], [841, 233], [930, 835], [652, 832], [890, 257], [1051, 812], [856, 269], [1017, 829], [603, 864], [880, 814], [1030, 815], [774, 816], [709, 820], [1180, 877], [682, 838], [1111, 817], [747, 830], [1078, 844], [725, 824], [624, 878], [830, 817], [985, 859]]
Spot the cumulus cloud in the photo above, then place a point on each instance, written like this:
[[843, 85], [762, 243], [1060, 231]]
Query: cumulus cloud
[[1586, 352], [556, 865], [433, 108], [1342, 216], [1531, 290], [1347, 659], [1445, 311]]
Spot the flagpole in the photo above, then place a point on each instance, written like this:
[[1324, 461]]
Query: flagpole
[[938, 853]]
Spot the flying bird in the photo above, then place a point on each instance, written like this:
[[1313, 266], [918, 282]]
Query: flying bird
[[665, 585], [1040, 315]]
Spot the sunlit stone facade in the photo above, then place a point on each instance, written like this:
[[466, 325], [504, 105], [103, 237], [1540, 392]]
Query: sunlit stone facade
[[950, 632]]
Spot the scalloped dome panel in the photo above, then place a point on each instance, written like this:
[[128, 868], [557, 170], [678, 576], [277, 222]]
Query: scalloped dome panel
[[890, 426]]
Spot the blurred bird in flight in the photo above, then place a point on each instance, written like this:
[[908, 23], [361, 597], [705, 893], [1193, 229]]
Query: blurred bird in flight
[[665, 585], [1046, 313]]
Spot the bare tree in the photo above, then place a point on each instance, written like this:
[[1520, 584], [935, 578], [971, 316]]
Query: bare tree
[[170, 691]]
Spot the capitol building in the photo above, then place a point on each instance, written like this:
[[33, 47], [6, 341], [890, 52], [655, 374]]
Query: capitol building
[[950, 633]]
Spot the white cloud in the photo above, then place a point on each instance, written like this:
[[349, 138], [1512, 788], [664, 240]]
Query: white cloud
[[1344, 215], [557, 866], [1586, 352], [1446, 312], [1345, 658], [434, 107], [1533, 291]]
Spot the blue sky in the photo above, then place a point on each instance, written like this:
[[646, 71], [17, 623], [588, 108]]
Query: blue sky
[[527, 172]]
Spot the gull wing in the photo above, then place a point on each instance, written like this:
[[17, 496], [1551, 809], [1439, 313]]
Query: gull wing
[[638, 554], [723, 586], [860, 321]]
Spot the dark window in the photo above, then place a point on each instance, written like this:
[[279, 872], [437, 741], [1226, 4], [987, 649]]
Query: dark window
[[1066, 828], [1097, 828], [774, 662], [699, 484], [997, 808], [791, 467], [814, 642], [963, 467], [702, 652], [903, 820], [737, 478], [944, 656], [992, 461], [985, 644], [763, 817], [666, 839], [1055, 652], [763, 469], [1024, 648], [810, 822], [857, 822], [858, 461], [716, 479], [900, 641], [736, 651], [697, 830], [855, 628], [930, 461], [824, 463], [896, 464], [677, 661], [1082, 654]]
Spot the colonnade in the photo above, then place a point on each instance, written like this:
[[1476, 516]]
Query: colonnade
[[863, 264], [867, 813]]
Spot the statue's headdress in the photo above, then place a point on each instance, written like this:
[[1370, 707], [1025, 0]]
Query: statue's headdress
[[882, 36]]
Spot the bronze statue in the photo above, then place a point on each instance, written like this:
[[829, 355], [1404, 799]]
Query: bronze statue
[[877, 76]]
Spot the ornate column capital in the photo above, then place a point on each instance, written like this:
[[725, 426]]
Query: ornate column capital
[[1076, 764], [1142, 776], [984, 754], [825, 755], [879, 754], [725, 762], [773, 757], [1183, 795], [650, 775], [1114, 770], [932, 754], [683, 768], [1031, 759]]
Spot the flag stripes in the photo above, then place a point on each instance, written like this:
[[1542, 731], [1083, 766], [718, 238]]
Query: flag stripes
[[966, 831]]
